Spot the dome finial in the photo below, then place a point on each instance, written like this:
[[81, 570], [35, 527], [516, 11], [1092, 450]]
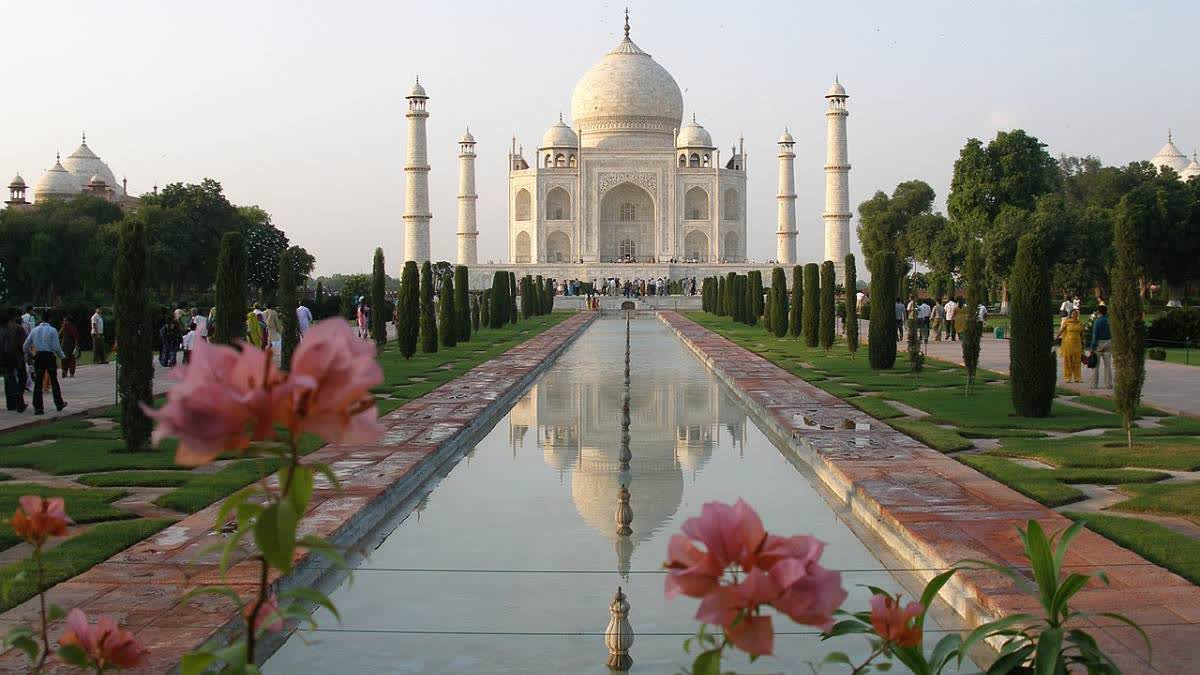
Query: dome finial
[[85, 137], [627, 23], [1169, 140], [560, 120], [693, 117]]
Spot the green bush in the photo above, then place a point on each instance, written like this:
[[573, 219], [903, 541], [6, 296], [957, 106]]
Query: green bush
[[795, 311], [881, 338], [429, 334], [447, 314], [1031, 327], [408, 328], [828, 281], [464, 304], [1156, 354], [287, 302], [499, 300], [812, 305], [231, 289], [378, 298], [779, 307], [1178, 324], [851, 304], [973, 276], [512, 297]]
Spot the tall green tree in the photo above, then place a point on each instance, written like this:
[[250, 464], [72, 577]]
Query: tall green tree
[[429, 334], [851, 304], [447, 314], [779, 306], [135, 375], [512, 297], [881, 338], [378, 300], [828, 313], [462, 303], [475, 318], [730, 295], [753, 298], [812, 305], [721, 293], [539, 292], [1126, 319], [231, 289], [1031, 359], [485, 308], [286, 300], [974, 279], [528, 302], [499, 300], [409, 321], [795, 312]]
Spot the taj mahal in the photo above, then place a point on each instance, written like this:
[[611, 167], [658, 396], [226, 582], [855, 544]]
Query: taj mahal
[[628, 189]]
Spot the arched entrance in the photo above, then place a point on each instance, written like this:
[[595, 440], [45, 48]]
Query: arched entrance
[[522, 248], [733, 252], [695, 246], [558, 247], [626, 223]]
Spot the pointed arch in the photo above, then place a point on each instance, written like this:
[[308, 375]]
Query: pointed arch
[[558, 204], [695, 246], [558, 247], [522, 207], [523, 246], [695, 204], [733, 251]]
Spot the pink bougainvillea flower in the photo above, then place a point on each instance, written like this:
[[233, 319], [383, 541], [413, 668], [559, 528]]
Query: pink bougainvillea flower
[[104, 644], [331, 379], [731, 534], [895, 624], [753, 634], [722, 606], [812, 599], [690, 571], [38, 519], [268, 612], [221, 403]]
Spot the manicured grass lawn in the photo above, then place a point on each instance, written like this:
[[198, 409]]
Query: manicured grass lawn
[[83, 506], [992, 407], [1107, 404], [1154, 542], [1052, 486], [938, 438], [136, 479], [68, 428], [1187, 357], [1180, 453], [875, 407], [1173, 499]]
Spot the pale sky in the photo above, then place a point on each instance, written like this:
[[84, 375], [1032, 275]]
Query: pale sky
[[298, 106]]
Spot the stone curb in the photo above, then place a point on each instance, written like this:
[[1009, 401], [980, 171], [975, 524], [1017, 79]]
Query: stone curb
[[934, 511]]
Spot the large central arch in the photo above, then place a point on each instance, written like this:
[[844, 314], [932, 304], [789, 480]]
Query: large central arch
[[627, 218]]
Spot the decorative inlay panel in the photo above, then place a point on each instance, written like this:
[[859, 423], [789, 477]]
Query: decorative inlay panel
[[647, 181]]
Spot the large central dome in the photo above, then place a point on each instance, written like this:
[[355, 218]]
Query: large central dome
[[627, 100]]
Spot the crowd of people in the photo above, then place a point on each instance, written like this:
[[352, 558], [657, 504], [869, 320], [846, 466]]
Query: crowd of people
[[31, 352]]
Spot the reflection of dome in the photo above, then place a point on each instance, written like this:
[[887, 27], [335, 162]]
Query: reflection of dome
[[57, 183], [692, 135], [560, 446], [627, 95], [85, 164], [559, 135], [655, 488]]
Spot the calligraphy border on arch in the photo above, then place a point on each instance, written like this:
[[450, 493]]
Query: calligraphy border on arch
[[647, 181]]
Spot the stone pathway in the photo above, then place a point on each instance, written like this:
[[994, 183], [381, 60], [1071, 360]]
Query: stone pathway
[[934, 511], [92, 387]]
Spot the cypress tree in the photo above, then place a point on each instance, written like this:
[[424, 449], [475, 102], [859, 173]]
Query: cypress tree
[[1125, 318], [731, 295], [851, 304], [231, 289], [539, 292], [135, 377], [548, 304], [499, 300], [447, 313], [779, 308], [286, 300], [742, 286], [528, 298], [319, 302], [410, 309], [720, 296], [1031, 360], [512, 297], [828, 313], [462, 303], [378, 299], [475, 309], [485, 308], [973, 277], [753, 298], [768, 321], [706, 295], [795, 323], [429, 335], [812, 305], [881, 338]]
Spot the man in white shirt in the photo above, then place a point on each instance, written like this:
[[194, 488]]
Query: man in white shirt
[[29, 319], [303, 319], [859, 297], [951, 310], [201, 323], [99, 353], [923, 313], [1065, 308]]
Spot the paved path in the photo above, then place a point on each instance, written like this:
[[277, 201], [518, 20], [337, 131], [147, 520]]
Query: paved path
[[92, 387], [1173, 387]]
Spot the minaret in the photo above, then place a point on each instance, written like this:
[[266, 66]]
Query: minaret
[[416, 179], [467, 231], [786, 231], [837, 180]]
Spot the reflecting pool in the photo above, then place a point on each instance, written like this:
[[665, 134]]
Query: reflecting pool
[[508, 563]]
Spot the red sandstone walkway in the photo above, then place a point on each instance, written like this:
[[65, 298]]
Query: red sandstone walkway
[[141, 587], [935, 511]]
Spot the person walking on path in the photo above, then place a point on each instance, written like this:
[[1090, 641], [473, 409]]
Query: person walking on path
[[255, 334], [189, 343], [199, 324], [1101, 344], [951, 311], [70, 345], [899, 320], [1071, 333], [938, 314], [1064, 310], [12, 360], [303, 318], [99, 355], [923, 314], [274, 328], [44, 344]]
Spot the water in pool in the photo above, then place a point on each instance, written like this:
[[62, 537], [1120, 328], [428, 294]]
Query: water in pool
[[509, 563]]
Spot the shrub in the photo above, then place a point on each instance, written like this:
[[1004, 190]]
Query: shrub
[[429, 335], [475, 309], [753, 298], [408, 318], [1125, 318], [729, 295], [973, 277], [287, 303], [447, 314], [851, 304], [527, 300], [881, 339], [1156, 354], [779, 306], [1031, 360], [828, 280], [795, 311], [812, 306], [464, 304], [378, 315], [499, 300], [512, 297], [485, 308], [134, 334], [231, 289], [1178, 324]]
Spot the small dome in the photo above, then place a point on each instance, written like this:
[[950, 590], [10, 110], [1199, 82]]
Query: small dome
[[56, 183], [786, 137], [1192, 170], [836, 90], [17, 181], [467, 137], [692, 135], [417, 91], [1170, 156], [559, 135], [96, 180]]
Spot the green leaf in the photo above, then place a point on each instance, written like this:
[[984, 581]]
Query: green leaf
[[707, 663], [54, 612], [1132, 624], [275, 534], [231, 544], [1017, 578], [327, 471], [74, 655], [989, 629], [1064, 540], [315, 597], [931, 590], [1011, 661], [846, 627], [837, 657], [883, 666], [1069, 587], [301, 488], [1037, 549], [28, 645], [231, 504], [943, 652], [1049, 649]]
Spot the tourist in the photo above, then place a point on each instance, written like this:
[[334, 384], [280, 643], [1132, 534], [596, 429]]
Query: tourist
[[1076, 303], [1066, 307], [44, 344], [363, 315], [982, 315], [99, 354], [951, 313], [180, 319], [274, 328], [1101, 346], [859, 299], [899, 320], [923, 314], [200, 324], [938, 319], [29, 320], [171, 336], [1071, 334], [12, 360], [255, 330], [189, 342], [70, 345], [304, 318]]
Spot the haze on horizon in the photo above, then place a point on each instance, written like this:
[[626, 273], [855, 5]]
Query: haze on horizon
[[298, 107]]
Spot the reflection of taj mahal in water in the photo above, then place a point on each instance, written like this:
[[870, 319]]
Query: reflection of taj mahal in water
[[674, 428]]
